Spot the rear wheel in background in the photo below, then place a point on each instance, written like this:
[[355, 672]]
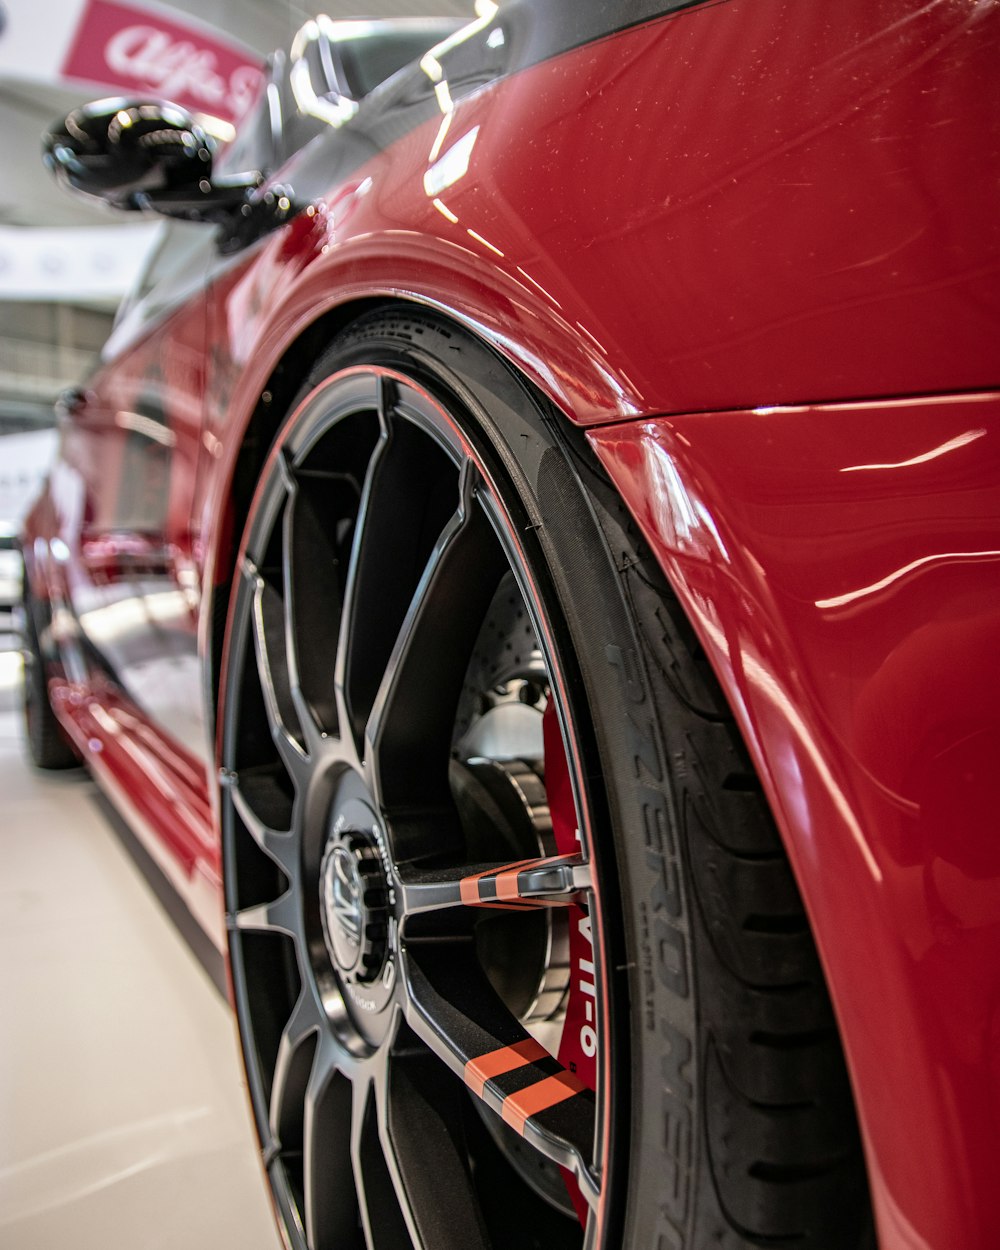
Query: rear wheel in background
[[47, 745], [518, 959]]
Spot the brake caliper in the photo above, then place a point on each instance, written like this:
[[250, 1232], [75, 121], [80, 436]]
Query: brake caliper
[[579, 1043]]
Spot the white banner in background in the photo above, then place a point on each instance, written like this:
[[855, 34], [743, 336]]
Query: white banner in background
[[77, 263]]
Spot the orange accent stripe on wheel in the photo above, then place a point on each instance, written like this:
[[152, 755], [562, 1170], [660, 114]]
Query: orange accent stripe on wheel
[[497, 1062], [469, 889], [507, 880], [506, 884], [520, 1107], [469, 886], [508, 906]]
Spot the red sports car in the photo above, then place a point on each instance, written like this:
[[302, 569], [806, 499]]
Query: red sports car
[[529, 569]]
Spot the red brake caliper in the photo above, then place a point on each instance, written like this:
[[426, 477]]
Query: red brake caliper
[[578, 1047]]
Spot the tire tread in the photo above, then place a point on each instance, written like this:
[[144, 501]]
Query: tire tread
[[772, 1069]]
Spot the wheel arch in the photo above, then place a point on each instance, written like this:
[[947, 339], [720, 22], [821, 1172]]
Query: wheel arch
[[561, 365], [258, 428]]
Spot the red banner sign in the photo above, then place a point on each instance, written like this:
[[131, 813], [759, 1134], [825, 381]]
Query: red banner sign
[[141, 53]]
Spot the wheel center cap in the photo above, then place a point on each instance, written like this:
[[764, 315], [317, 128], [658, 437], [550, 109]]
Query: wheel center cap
[[345, 912], [353, 900]]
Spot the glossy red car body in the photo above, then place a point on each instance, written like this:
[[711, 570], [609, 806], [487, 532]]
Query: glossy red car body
[[753, 247]]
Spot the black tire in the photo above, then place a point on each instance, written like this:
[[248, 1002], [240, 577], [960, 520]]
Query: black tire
[[723, 1115], [47, 745]]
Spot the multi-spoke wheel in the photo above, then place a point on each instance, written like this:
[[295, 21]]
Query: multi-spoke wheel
[[461, 922]]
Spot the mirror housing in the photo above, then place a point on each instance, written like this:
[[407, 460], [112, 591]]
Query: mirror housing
[[137, 155]]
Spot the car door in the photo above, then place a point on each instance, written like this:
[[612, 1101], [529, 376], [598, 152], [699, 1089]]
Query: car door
[[134, 445]]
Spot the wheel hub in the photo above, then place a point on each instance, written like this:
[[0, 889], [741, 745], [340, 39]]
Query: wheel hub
[[356, 901], [353, 897]]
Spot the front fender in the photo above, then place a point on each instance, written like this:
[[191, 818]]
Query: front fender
[[841, 565]]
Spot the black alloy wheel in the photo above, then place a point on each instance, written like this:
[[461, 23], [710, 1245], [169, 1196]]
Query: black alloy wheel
[[492, 976], [402, 914]]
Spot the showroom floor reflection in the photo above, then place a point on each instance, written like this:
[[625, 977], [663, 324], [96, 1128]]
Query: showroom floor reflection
[[123, 1122]]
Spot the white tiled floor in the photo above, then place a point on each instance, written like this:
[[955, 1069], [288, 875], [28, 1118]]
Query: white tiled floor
[[123, 1122]]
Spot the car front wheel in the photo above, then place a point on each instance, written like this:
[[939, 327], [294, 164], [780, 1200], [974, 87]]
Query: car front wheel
[[517, 956]]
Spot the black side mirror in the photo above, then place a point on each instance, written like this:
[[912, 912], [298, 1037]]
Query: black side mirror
[[138, 155]]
